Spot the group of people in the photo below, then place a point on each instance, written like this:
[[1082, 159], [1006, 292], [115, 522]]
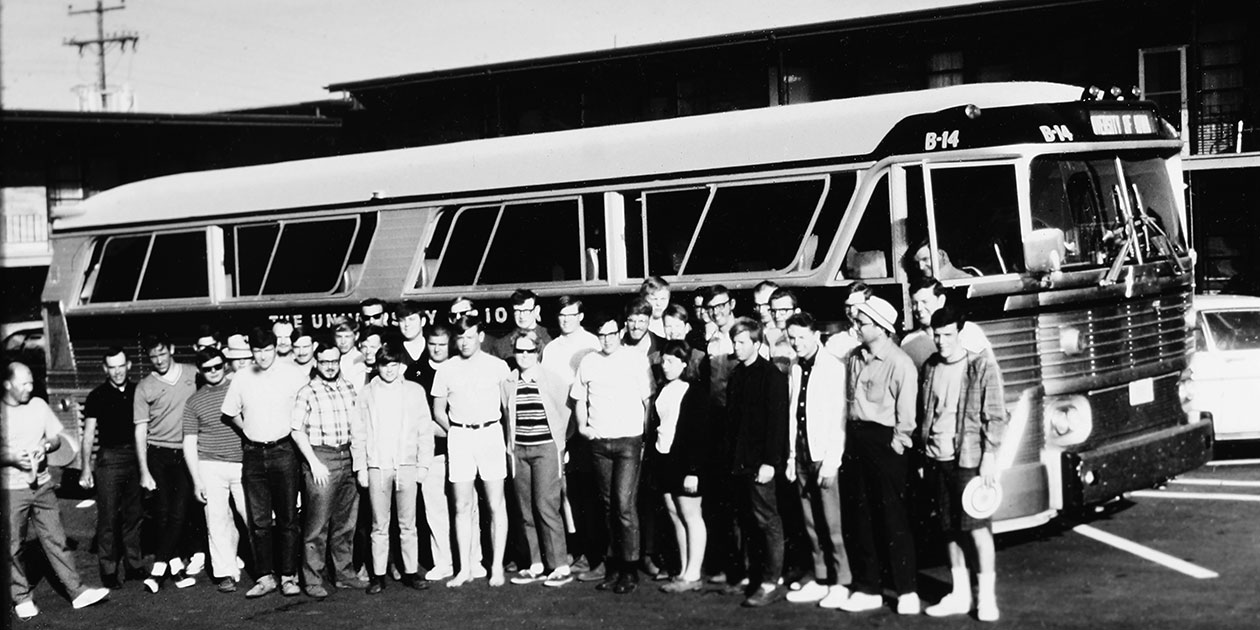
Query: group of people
[[742, 433]]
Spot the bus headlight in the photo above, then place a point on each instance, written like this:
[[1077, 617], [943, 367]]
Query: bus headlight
[[1069, 420], [1070, 342], [1185, 391]]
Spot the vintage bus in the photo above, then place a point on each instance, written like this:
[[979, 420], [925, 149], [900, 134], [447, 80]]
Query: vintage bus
[[1068, 207]]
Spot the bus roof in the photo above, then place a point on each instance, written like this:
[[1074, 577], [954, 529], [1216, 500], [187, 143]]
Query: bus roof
[[847, 128]]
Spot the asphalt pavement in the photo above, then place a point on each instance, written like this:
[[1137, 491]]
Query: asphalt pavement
[[1183, 556]]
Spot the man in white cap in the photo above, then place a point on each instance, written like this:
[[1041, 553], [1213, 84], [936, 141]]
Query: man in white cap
[[882, 388]]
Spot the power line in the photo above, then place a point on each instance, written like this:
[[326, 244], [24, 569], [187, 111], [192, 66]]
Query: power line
[[103, 42]]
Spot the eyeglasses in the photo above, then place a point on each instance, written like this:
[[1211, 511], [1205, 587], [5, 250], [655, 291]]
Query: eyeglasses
[[374, 315], [719, 306], [526, 350], [788, 309], [211, 368], [611, 333], [569, 314]]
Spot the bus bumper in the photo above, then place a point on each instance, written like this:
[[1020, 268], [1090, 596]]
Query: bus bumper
[[1144, 461]]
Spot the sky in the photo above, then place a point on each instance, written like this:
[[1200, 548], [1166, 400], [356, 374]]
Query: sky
[[212, 55]]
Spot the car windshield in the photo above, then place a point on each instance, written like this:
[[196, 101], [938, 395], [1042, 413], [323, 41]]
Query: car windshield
[[1088, 197], [1234, 330]]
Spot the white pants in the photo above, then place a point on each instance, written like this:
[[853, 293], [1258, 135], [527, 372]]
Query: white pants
[[223, 486]]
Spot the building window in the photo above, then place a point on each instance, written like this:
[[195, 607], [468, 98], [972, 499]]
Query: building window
[[1162, 79], [945, 69]]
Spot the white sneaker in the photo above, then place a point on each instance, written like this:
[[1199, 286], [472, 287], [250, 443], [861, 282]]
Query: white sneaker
[[908, 604], [26, 610], [987, 610], [196, 564], [88, 597], [808, 593], [836, 597], [953, 604], [439, 573], [862, 602]]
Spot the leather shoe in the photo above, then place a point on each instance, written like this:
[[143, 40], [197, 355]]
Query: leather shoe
[[626, 583], [376, 586], [766, 594], [413, 581], [610, 579], [112, 582]]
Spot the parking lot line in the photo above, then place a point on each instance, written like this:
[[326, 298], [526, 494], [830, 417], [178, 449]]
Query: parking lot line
[[1218, 483], [1142, 551], [1212, 496], [1234, 462]]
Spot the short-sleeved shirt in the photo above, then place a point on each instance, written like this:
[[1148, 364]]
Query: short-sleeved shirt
[[264, 400], [613, 388], [160, 402], [471, 387], [216, 439], [114, 410], [26, 427], [323, 410]]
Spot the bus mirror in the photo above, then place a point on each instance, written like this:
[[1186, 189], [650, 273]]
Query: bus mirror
[[1044, 250]]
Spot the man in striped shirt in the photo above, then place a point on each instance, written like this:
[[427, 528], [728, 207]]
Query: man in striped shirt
[[212, 451], [322, 415]]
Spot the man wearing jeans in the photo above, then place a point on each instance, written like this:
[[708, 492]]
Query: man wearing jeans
[[322, 419], [260, 403], [113, 471], [159, 435], [611, 395], [212, 450]]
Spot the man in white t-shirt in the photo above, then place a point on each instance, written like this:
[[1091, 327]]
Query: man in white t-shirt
[[927, 296], [612, 393], [467, 404]]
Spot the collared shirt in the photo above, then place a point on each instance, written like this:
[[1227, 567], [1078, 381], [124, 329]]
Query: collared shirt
[[613, 388], [114, 410], [264, 400], [160, 402], [323, 409], [216, 439], [471, 387], [882, 387], [562, 356], [802, 435], [354, 368], [721, 351]]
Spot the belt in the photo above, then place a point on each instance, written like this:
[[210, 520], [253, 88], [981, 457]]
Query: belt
[[271, 444], [473, 426], [333, 449]]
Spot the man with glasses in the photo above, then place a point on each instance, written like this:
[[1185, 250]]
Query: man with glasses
[[159, 433], [612, 393], [761, 301], [212, 451], [323, 421], [560, 362], [467, 404], [727, 551], [882, 389], [259, 402], [778, 348], [526, 313], [372, 313], [113, 471]]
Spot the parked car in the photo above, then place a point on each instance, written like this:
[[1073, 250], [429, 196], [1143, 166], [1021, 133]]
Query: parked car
[[1225, 368]]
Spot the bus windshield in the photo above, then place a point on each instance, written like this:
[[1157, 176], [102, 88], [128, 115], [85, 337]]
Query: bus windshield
[[1088, 197]]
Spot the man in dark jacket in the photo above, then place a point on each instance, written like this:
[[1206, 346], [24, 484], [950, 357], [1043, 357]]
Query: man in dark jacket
[[757, 402]]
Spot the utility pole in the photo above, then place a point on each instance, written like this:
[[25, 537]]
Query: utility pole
[[102, 41]]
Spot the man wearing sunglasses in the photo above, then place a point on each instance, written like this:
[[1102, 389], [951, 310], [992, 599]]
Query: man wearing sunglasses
[[526, 314], [212, 451]]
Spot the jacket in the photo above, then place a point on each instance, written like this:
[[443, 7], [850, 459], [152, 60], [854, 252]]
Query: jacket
[[757, 409], [826, 411], [415, 446], [981, 413], [557, 417]]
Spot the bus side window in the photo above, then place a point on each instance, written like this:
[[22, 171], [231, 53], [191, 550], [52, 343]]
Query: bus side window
[[310, 256], [870, 251], [253, 247], [839, 193], [535, 242], [593, 240], [759, 227], [118, 271], [663, 224], [176, 267]]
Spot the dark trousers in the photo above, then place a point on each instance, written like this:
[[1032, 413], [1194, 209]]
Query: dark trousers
[[726, 552], [174, 491], [761, 525], [589, 537], [271, 479], [617, 462], [877, 528], [328, 517], [118, 511]]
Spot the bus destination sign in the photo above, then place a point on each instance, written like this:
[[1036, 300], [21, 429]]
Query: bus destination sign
[[1123, 123]]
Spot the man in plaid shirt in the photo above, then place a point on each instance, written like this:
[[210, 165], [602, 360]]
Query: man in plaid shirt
[[322, 415]]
